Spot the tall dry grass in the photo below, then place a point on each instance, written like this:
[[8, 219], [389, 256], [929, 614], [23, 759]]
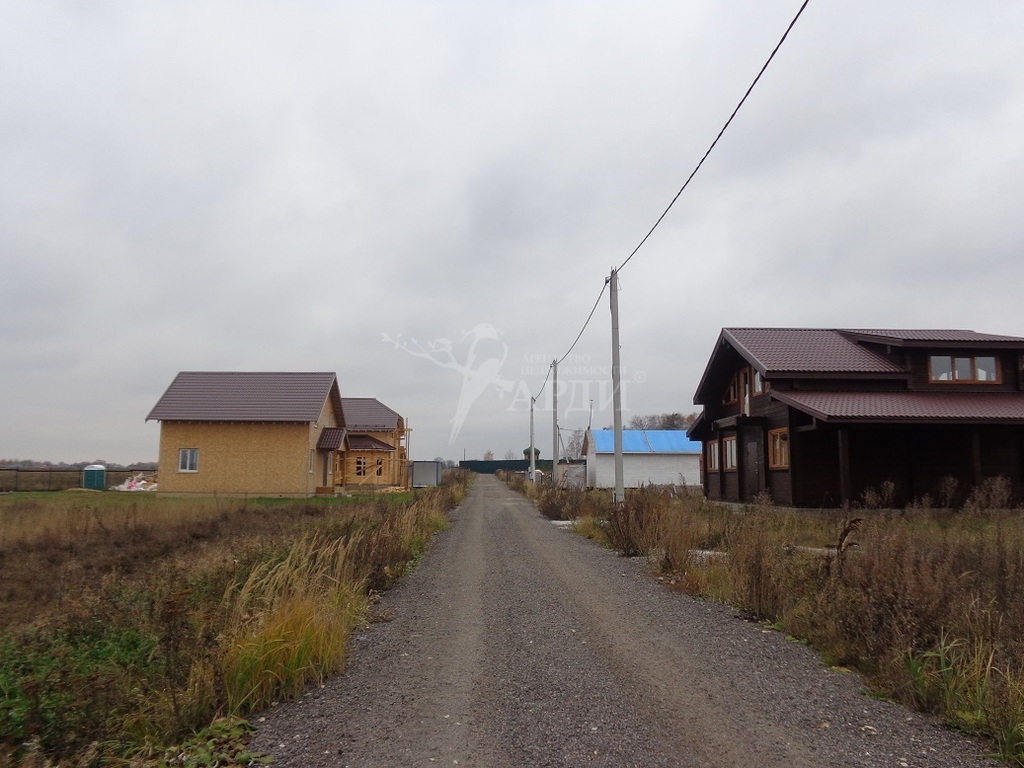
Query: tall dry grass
[[161, 627], [926, 603], [289, 623]]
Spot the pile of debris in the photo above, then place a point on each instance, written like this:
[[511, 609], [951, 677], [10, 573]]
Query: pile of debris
[[140, 482]]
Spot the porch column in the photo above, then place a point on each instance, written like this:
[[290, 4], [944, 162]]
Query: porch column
[[844, 466], [721, 465]]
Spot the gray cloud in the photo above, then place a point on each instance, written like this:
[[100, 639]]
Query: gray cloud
[[254, 186]]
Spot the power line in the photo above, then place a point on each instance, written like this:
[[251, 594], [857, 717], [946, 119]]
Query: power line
[[720, 133], [693, 173], [589, 318], [578, 337]]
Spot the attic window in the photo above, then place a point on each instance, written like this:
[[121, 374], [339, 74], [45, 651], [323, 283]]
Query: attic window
[[732, 393], [760, 385], [963, 368]]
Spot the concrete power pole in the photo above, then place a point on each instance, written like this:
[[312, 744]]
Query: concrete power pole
[[533, 453], [554, 422], [620, 492]]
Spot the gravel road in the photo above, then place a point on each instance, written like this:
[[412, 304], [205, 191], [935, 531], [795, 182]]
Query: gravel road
[[517, 643]]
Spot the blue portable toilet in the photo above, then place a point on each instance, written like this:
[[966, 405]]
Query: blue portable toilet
[[94, 477]]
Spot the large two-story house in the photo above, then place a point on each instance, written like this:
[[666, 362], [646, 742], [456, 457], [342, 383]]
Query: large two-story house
[[820, 417]]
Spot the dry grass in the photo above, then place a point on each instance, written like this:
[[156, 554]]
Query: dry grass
[[926, 603], [167, 613]]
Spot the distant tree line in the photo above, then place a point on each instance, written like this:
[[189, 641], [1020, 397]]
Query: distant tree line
[[662, 421], [146, 466]]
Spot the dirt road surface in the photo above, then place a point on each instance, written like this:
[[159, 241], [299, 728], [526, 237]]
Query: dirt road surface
[[517, 643]]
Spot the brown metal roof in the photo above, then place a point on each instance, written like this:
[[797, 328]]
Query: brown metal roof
[[920, 407], [369, 415], [331, 439], [826, 352], [932, 337], [247, 396], [806, 350], [367, 443]]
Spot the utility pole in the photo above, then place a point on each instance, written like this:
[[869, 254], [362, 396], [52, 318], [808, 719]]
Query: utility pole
[[554, 422], [533, 453], [620, 492]]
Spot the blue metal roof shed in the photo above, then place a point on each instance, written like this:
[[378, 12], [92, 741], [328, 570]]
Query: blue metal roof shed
[[650, 456]]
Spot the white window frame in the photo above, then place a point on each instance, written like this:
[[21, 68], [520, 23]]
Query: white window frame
[[188, 460], [729, 463], [712, 456]]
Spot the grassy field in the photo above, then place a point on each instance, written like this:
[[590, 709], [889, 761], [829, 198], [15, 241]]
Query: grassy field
[[926, 603], [140, 630]]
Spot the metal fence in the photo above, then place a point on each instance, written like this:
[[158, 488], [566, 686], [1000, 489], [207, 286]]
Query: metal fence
[[18, 479]]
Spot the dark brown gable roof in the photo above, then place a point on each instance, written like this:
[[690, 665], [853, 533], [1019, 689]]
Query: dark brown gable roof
[[826, 352], [934, 337], [781, 351], [247, 396], [917, 407], [367, 443], [368, 414]]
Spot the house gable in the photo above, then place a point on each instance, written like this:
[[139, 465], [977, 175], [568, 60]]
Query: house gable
[[246, 432]]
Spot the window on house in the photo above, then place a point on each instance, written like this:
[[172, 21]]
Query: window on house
[[963, 368], [380, 467], [188, 459], [729, 448], [712, 461], [732, 392], [360, 466], [758, 383], [312, 457], [778, 448]]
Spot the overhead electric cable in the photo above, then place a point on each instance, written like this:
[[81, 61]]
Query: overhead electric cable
[[578, 337], [589, 318], [720, 133]]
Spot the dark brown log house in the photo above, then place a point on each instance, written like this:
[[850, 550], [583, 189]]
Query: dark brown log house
[[815, 417]]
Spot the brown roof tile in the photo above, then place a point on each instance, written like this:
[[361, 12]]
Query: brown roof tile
[[367, 443], [806, 350], [919, 407], [331, 439], [369, 414], [933, 336], [246, 396]]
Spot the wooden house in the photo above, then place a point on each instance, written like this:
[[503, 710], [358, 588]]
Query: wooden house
[[820, 418], [273, 433], [370, 450], [649, 457]]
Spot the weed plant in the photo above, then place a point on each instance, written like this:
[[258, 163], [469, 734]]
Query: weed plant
[[925, 602], [132, 625]]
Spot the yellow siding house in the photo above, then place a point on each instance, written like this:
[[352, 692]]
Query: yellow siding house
[[248, 433]]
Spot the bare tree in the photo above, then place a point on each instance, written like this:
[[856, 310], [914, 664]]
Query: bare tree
[[662, 421], [574, 448], [651, 421], [510, 455], [488, 455]]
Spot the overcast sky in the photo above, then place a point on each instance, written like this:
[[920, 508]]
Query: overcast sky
[[427, 197]]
